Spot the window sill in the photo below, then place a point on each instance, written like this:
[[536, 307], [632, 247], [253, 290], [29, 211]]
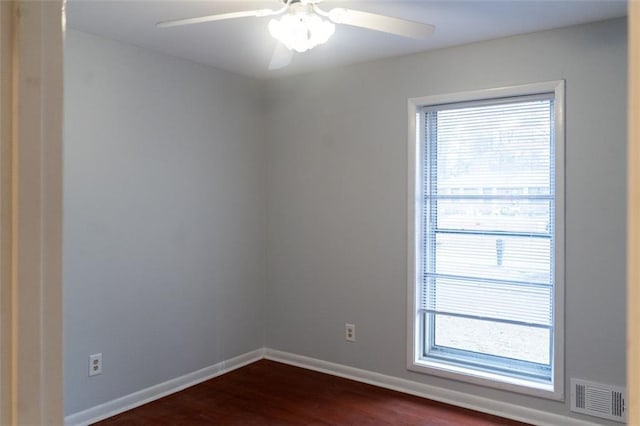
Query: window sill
[[482, 378]]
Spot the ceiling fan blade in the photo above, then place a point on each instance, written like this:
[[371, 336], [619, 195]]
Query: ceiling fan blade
[[219, 17], [281, 57], [387, 24]]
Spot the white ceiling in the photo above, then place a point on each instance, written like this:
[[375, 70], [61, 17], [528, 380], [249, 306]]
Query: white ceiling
[[244, 45]]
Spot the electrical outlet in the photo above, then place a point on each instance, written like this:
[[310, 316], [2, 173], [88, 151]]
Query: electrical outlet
[[350, 332], [95, 364]]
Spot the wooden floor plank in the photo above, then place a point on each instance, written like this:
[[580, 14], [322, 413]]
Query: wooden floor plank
[[271, 393]]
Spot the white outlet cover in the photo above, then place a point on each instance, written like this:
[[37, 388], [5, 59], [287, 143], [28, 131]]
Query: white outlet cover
[[350, 332], [95, 364]]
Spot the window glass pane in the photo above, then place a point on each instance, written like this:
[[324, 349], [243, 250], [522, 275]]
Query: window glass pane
[[496, 257], [499, 146], [499, 301], [504, 340], [529, 216], [487, 235]]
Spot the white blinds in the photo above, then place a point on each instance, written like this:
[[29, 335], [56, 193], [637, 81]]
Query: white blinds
[[488, 211]]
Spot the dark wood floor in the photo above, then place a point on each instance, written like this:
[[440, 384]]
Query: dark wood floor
[[271, 393]]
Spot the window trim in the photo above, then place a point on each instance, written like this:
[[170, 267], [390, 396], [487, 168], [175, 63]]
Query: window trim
[[554, 391]]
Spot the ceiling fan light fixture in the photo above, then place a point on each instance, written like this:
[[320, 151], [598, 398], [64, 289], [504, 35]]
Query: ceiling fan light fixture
[[302, 24], [301, 30]]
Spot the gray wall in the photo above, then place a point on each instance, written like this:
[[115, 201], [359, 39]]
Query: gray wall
[[337, 205], [200, 215], [164, 224]]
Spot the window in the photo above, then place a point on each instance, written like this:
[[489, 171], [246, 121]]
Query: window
[[486, 237]]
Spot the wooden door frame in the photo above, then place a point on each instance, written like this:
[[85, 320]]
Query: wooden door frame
[[6, 98], [31, 212]]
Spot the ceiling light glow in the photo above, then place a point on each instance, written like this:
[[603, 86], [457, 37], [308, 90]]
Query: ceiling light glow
[[301, 30]]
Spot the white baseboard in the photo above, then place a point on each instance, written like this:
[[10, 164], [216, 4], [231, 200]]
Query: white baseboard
[[448, 396], [158, 391]]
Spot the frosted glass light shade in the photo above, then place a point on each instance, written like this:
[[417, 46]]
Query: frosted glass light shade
[[301, 31]]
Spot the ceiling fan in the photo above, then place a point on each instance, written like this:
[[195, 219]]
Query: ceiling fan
[[302, 25]]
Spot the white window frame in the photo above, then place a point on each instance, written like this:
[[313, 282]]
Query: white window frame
[[555, 390]]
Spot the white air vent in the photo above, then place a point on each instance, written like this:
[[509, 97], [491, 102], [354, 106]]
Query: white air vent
[[596, 399]]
